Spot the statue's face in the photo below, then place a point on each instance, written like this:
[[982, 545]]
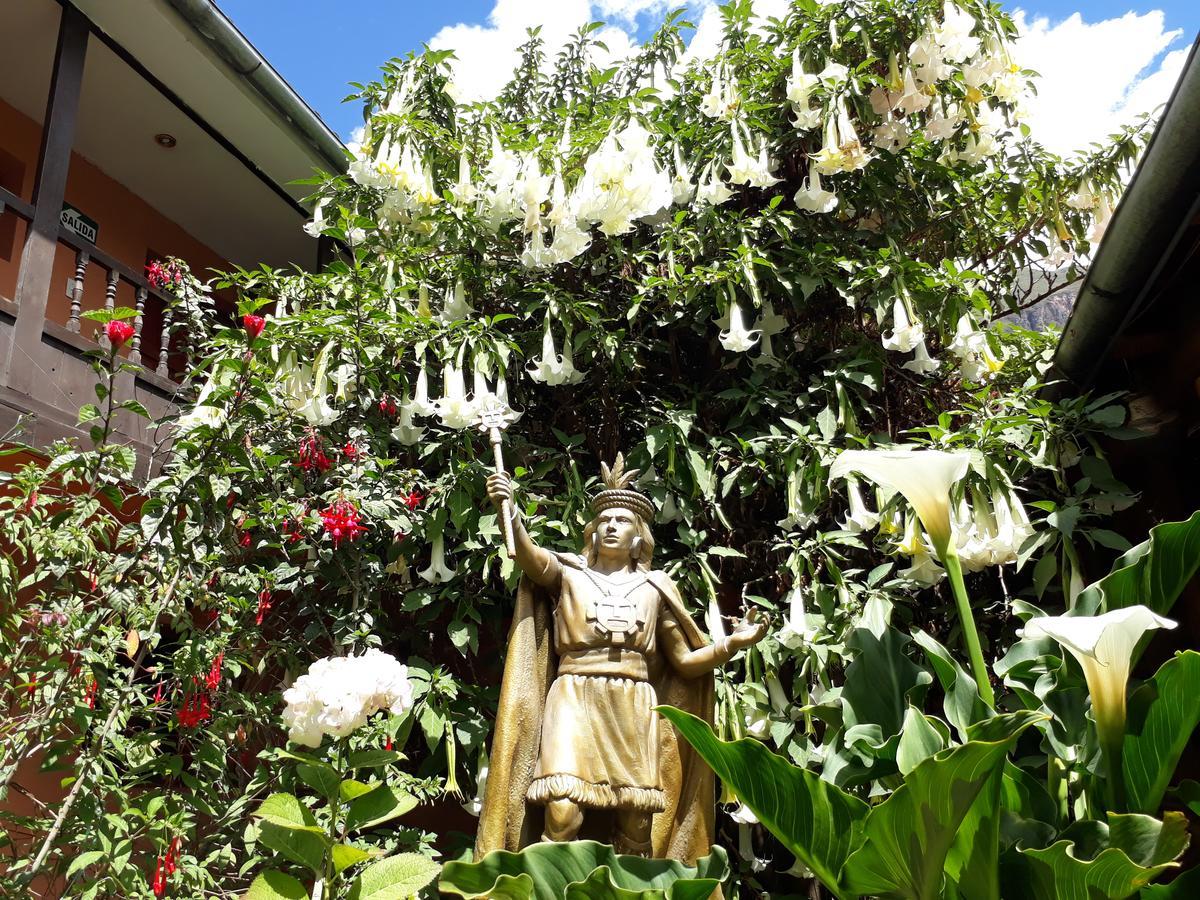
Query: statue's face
[[617, 527]]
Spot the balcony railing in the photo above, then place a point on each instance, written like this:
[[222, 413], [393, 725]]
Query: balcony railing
[[150, 346]]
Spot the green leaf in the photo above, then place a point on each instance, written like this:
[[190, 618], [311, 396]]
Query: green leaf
[[380, 805], [322, 779], [1184, 887], [289, 828], [1152, 574], [83, 860], [346, 855], [136, 408], [1099, 867], [373, 759], [1162, 714], [882, 679], [87, 413], [919, 740], [273, 885], [908, 836], [817, 821], [394, 878], [962, 704], [351, 788], [547, 871]]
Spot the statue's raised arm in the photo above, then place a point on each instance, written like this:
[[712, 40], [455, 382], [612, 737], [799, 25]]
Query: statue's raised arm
[[540, 565]]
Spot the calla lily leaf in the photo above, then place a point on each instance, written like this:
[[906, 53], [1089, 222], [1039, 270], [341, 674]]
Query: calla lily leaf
[[1160, 720]]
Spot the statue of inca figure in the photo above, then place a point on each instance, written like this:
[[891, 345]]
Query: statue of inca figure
[[598, 640]]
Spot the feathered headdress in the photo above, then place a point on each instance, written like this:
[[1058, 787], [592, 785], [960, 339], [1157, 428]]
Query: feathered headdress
[[618, 493]]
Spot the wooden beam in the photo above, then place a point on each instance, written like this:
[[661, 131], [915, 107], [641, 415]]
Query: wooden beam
[[37, 257]]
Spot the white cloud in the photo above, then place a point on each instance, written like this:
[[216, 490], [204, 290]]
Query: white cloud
[[629, 10], [487, 54], [1095, 77]]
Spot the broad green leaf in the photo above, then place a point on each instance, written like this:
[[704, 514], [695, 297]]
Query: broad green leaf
[[545, 871], [373, 759], [820, 824], [599, 886], [919, 740], [378, 806], [1162, 714], [288, 827], [882, 679], [962, 704], [1089, 870], [351, 788], [1153, 573], [322, 779], [83, 860], [1184, 887], [345, 855], [394, 878], [273, 885], [906, 838]]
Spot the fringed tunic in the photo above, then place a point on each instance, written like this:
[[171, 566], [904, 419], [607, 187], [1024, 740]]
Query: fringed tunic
[[599, 743]]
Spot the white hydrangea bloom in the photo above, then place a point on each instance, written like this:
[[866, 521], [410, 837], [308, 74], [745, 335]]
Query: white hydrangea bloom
[[338, 694]]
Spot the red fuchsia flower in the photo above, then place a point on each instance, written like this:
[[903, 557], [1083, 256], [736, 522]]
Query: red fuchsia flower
[[213, 679], [387, 406], [293, 530], [253, 325], [31, 501], [387, 745], [351, 451], [93, 581], [118, 332], [159, 884], [264, 604], [32, 683], [311, 454], [342, 522], [413, 499], [90, 696], [196, 710], [172, 856], [158, 693], [245, 539]]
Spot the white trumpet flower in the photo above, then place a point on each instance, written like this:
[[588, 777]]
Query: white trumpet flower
[[437, 572], [770, 323], [317, 225], [714, 623], [860, 518], [712, 190], [421, 405], [404, 431], [795, 633], [922, 363], [1103, 646], [455, 410], [552, 368], [799, 89], [812, 197], [464, 190], [738, 338], [749, 163], [924, 477], [455, 306], [682, 186], [905, 334]]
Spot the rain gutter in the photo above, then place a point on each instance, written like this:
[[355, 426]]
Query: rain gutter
[[223, 37], [1162, 199]]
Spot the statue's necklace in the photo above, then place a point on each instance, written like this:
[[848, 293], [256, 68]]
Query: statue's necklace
[[615, 615]]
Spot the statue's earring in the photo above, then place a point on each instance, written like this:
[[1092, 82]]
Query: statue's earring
[[635, 548]]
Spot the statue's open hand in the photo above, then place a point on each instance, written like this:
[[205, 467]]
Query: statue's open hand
[[499, 488], [748, 631]]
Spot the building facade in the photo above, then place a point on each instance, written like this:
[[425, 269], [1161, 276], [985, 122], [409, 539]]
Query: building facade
[[130, 132]]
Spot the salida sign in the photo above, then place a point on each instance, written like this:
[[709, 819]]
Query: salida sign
[[75, 221]]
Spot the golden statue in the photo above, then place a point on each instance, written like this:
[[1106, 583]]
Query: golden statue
[[597, 641]]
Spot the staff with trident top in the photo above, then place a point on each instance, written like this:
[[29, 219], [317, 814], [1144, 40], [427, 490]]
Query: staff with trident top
[[494, 416]]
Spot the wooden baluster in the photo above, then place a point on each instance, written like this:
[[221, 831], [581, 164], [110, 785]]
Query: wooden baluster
[[81, 263], [110, 301], [166, 345], [135, 346]]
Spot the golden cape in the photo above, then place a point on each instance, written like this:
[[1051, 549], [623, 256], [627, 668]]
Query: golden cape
[[684, 830]]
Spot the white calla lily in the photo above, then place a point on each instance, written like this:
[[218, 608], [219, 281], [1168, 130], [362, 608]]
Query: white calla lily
[[924, 477], [1103, 645]]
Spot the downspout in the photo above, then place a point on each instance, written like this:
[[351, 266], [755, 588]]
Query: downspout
[[232, 47], [1163, 197]]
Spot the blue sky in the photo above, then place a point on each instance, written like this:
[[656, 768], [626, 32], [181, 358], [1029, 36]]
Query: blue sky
[[320, 46]]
